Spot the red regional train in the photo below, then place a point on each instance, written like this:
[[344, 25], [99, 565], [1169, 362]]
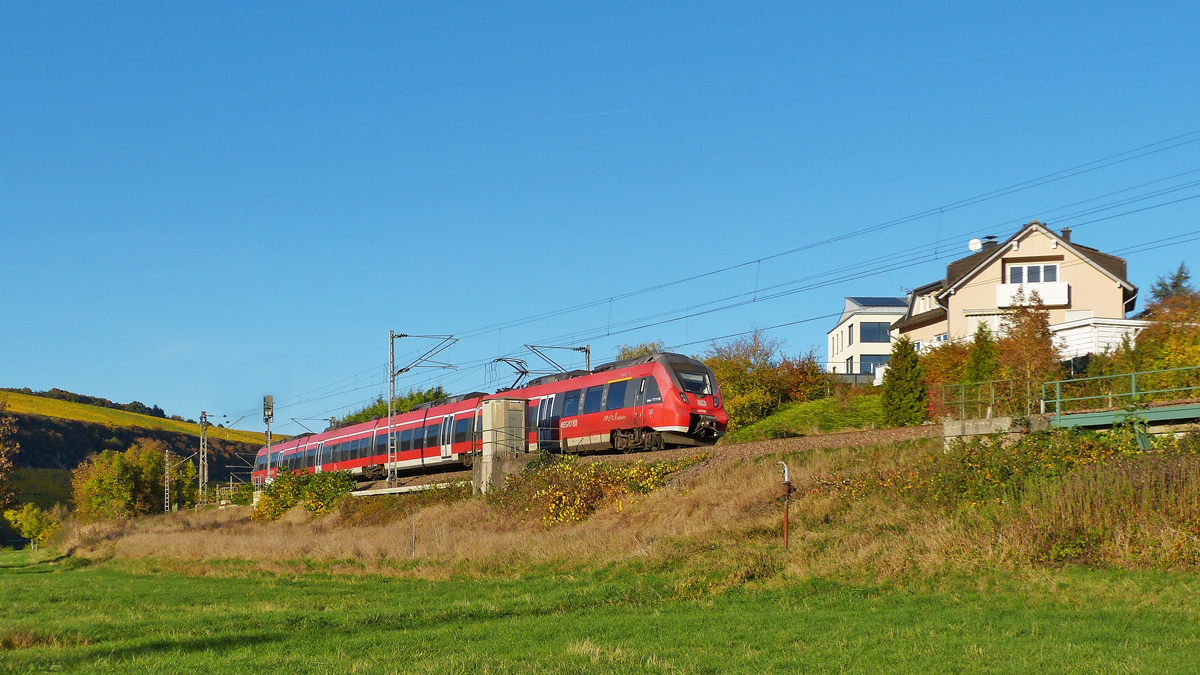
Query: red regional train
[[644, 403]]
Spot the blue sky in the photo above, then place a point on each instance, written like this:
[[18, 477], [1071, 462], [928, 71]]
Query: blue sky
[[202, 204]]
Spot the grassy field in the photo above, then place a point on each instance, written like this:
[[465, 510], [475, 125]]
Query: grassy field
[[822, 415], [133, 618], [49, 407]]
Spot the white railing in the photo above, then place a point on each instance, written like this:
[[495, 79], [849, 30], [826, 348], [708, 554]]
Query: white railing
[[1052, 293]]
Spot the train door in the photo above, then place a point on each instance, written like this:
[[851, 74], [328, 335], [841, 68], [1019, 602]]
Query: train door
[[546, 423], [446, 436], [639, 403]]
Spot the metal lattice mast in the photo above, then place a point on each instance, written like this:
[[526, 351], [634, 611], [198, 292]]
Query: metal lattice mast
[[202, 493], [167, 480], [422, 361], [391, 442]]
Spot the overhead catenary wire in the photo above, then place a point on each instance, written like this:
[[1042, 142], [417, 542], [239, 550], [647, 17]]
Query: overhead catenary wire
[[350, 384], [1128, 250]]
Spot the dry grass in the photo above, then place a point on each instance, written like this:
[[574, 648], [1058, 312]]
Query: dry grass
[[720, 524], [12, 640]]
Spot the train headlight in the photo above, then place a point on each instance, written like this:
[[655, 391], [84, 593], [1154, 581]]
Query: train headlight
[[716, 401], [683, 397]]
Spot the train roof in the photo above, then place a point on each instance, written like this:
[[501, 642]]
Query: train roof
[[662, 357]]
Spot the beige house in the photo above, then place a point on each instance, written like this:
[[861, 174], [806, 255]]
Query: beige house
[[1085, 290]]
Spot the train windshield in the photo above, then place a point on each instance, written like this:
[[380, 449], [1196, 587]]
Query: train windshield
[[695, 383]]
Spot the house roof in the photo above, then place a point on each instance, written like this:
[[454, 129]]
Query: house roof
[[959, 271], [865, 305], [923, 319], [875, 301]]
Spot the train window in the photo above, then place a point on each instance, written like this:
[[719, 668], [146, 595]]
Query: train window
[[694, 383], [478, 425], [381, 442], [650, 394], [462, 428], [631, 394], [616, 395], [532, 413], [406, 441], [571, 403], [591, 399], [431, 435]]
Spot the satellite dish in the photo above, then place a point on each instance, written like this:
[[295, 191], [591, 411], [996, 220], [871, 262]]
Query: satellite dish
[[975, 245]]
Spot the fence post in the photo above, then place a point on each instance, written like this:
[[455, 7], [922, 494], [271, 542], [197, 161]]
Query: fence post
[[1057, 399], [1133, 394]]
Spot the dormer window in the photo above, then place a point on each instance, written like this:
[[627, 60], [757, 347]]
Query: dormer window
[[1032, 274]]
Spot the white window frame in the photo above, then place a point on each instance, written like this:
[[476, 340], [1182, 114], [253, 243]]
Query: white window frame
[[1024, 267]]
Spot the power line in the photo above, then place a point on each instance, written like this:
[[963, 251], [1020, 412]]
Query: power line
[[1129, 155]]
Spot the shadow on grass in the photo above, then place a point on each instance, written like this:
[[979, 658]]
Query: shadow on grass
[[74, 658]]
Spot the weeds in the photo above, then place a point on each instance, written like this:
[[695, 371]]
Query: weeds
[[568, 491]]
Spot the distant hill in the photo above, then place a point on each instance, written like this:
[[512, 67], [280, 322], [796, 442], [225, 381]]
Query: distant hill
[[58, 434], [52, 407], [64, 395]]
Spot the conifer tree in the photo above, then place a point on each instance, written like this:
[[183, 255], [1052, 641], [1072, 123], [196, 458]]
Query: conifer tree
[[1173, 285], [904, 398], [982, 357]]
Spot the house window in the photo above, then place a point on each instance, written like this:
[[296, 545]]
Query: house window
[[869, 364], [941, 338], [850, 334], [874, 331], [850, 365], [1033, 274]]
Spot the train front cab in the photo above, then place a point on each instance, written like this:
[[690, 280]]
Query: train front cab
[[692, 410], [641, 404]]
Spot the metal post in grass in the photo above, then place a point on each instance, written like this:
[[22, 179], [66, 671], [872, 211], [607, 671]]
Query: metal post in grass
[[787, 502]]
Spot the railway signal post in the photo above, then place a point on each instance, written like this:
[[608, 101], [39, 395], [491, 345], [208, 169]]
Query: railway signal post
[[268, 415]]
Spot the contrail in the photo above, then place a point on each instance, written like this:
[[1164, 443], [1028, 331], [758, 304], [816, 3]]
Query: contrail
[[568, 117]]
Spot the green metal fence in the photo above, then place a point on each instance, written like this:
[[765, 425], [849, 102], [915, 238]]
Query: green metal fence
[[997, 398], [1121, 392]]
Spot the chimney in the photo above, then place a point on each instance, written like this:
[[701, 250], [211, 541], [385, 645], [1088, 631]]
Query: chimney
[[989, 241], [1066, 234]]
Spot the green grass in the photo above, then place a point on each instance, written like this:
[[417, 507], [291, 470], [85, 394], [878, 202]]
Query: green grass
[[104, 618], [51, 407], [822, 415], [44, 487]]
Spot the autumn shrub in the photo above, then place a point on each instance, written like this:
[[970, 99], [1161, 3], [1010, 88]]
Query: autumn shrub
[[567, 490], [326, 489], [114, 485], [316, 492], [941, 366], [35, 524], [243, 495], [755, 377]]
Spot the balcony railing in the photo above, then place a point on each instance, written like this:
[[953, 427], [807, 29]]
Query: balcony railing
[[1052, 293]]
